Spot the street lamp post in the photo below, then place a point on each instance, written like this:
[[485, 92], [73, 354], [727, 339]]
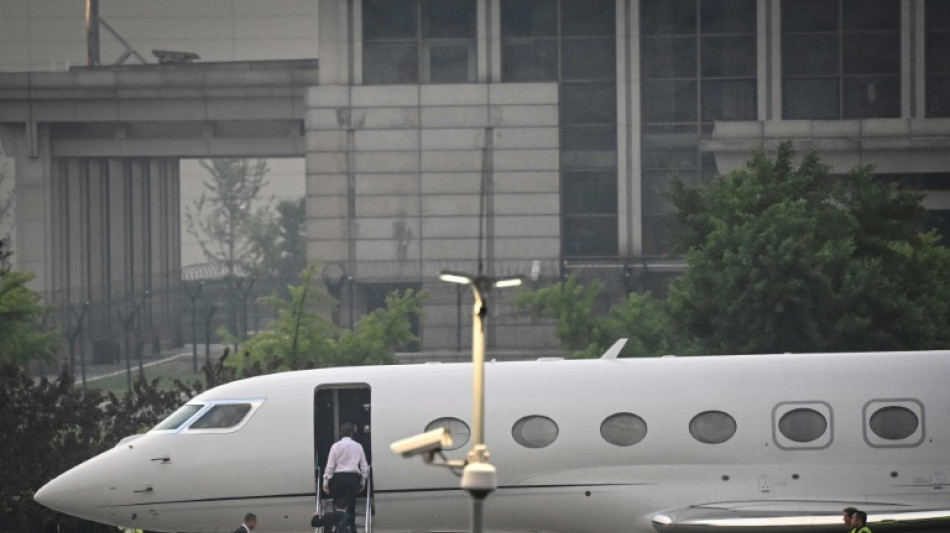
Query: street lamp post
[[479, 477]]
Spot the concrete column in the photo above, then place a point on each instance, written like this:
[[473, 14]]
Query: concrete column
[[629, 183], [32, 225], [335, 40], [115, 235], [774, 36]]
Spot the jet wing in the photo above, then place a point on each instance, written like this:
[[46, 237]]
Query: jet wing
[[797, 516]]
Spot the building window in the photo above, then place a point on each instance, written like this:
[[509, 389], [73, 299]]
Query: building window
[[698, 65], [529, 43], [840, 59], [937, 40], [623, 429], [458, 430], [535, 431], [712, 427], [894, 423], [573, 43], [418, 41]]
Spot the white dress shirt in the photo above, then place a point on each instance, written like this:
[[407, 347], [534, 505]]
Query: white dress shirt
[[346, 455]]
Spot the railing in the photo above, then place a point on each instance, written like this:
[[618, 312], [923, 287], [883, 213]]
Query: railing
[[318, 499], [369, 501], [318, 503]]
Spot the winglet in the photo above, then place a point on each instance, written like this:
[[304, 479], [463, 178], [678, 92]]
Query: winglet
[[614, 350]]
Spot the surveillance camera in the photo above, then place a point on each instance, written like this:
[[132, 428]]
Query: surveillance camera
[[423, 443], [479, 479]]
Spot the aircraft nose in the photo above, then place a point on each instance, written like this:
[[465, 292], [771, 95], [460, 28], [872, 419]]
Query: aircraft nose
[[85, 490], [51, 495], [70, 493]]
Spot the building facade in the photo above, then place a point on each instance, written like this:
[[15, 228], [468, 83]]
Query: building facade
[[531, 137], [548, 130]]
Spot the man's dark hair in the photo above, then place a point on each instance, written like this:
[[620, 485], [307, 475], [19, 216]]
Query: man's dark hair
[[340, 503], [250, 517], [849, 510], [347, 429], [862, 516]]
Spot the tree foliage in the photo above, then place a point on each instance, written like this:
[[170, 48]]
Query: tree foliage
[[787, 257], [303, 337], [21, 312], [223, 219], [782, 256], [6, 193], [280, 241], [49, 426], [584, 333]]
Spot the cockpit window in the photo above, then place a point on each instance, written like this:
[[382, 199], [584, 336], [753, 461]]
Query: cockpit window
[[222, 416], [179, 417]]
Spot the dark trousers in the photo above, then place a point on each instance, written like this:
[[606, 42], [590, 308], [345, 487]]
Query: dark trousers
[[346, 485]]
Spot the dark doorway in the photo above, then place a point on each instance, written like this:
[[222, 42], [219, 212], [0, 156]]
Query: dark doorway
[[333, 405]]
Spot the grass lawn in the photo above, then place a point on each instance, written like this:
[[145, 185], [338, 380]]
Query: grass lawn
[[179, 368]]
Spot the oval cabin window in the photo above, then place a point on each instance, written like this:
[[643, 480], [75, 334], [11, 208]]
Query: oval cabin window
[[535, 431], [802, 425], [623, 429], [458, 429], [712, 427], [894, 422]]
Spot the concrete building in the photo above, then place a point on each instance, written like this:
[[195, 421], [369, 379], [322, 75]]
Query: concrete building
[[574, 114], [547, 130]]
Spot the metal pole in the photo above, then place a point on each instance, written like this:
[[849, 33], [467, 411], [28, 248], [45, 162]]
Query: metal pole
[[128, 360], [193, 297], [92, 33], [478, 366], [139, 348], [208, 333], [478, 507], [245, 294], [82, 356], [75, 333]]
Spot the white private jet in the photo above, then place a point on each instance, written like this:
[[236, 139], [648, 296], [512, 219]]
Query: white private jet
[[777, 443]]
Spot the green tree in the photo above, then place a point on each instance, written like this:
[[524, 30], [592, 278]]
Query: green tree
[[584, 333], [48, 426], [787, 257], [21, 312], [303, 337], [280, 241], [223, 219], [6, 192]]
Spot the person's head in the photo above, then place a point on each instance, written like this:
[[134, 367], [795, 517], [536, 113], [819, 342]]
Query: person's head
[[847, 513], [859, 519], [347, 429], [339, 504], [250, 520]]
